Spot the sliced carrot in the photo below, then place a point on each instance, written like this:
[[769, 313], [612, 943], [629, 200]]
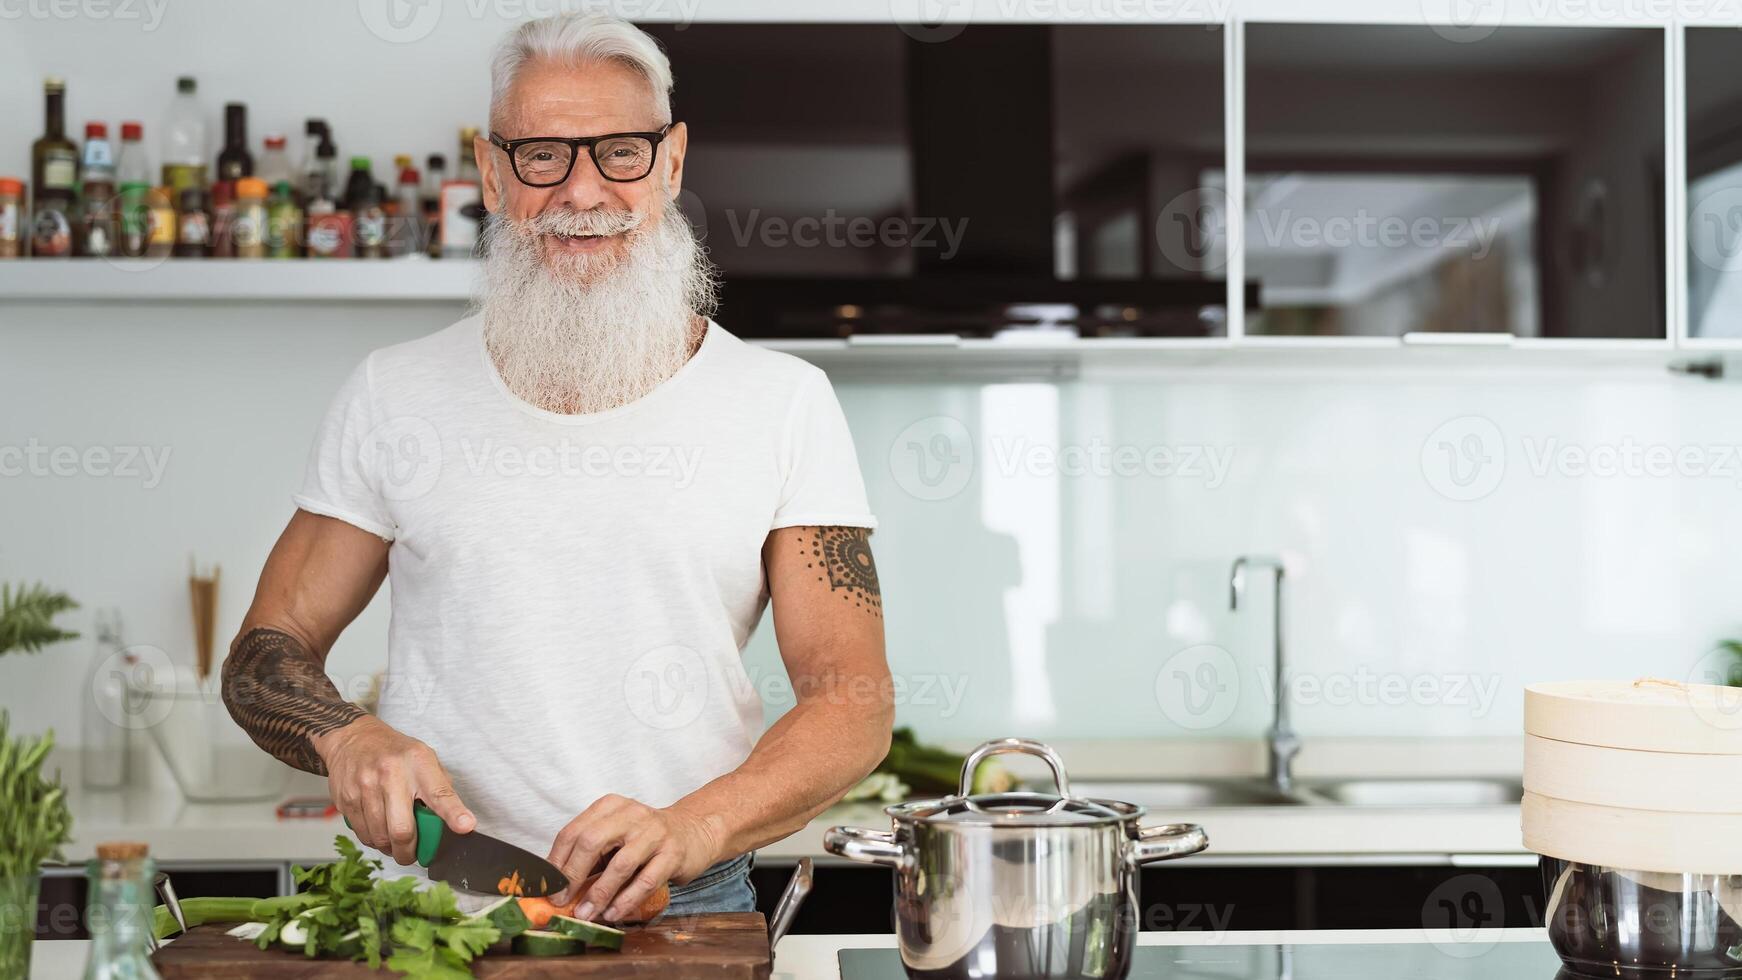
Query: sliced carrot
[[539, 910]]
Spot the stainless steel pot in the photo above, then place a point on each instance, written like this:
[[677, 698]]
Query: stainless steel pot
[[1026, 886], [1639, 925]]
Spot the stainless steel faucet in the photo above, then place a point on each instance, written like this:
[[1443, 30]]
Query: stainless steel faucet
[[1284, 743]]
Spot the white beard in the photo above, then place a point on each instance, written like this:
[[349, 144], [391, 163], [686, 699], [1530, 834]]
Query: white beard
[[596, 331]]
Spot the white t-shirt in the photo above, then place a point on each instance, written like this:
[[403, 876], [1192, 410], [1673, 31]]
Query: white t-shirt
[[571, 595]]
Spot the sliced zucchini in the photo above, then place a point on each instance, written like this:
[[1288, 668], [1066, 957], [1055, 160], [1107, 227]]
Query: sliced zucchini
[[593, 934], [294, 934], [537, 942], [506, 915]]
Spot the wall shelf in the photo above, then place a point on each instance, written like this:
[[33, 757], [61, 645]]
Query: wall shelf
[[927, 357], [231, 280]]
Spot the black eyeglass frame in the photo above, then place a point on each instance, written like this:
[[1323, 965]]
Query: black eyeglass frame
[[575, 143]]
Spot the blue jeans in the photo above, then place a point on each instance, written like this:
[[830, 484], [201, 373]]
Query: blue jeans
[[725, 887]]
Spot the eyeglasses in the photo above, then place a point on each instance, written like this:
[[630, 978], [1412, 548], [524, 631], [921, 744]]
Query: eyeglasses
[[546, 161]]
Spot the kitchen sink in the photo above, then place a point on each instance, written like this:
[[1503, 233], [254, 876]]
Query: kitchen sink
[[1187, 793], [1416, 792]]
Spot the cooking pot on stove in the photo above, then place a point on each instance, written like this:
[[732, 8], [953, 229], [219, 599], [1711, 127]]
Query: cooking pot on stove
[[1026, 886]]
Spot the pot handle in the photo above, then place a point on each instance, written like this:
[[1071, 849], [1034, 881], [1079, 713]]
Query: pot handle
[[864, 846], [1168, 841], [1024, 746]]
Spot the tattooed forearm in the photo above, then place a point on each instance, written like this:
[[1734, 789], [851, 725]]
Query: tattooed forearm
[[278, 692], [841, 557]]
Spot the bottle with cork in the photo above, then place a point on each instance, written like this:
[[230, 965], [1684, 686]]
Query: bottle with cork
[[119, 912]]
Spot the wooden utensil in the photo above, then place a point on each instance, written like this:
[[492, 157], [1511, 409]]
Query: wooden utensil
[[729, 945], [203, 595]]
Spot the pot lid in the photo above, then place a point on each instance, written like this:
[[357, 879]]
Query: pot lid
[[1647, 715], [1010, 810]]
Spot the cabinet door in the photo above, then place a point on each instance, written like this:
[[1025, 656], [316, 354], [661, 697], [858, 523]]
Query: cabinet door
[[1408, 178], [874, 178], [1714, 198]]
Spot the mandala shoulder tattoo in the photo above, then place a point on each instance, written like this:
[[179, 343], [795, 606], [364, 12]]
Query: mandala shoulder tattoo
[[278, 692], [841, 558]]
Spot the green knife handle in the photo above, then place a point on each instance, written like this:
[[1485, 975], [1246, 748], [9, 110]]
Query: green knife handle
[[429, 831]]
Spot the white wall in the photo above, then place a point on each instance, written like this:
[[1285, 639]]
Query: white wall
[[1032, 598]]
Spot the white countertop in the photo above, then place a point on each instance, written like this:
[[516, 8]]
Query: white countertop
[[238, 833], [813, 957]]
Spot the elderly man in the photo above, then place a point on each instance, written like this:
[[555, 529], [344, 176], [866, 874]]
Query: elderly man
[[585, 495]]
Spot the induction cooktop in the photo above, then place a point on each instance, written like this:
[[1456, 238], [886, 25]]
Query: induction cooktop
[[1399, 961]]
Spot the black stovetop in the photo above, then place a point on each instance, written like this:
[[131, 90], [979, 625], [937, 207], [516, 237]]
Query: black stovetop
[[1398, 961]]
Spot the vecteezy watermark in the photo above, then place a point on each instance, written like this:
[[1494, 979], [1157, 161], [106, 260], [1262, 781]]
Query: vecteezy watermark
[[1017, 456], [1191, 230], [676, 465], [1283, 228], [941, 20], [1368, 688], [34, 459], [943, 694], [1468, 21], [1715, 229], [148, 14], [1198, 688], [935, 457], [834, 230], [1462, 915], [407, 21], [1465, 458], [406, 457], [666, 688], [1201, 686]]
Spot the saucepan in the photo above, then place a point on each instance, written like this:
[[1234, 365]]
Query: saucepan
[[1026, 886]]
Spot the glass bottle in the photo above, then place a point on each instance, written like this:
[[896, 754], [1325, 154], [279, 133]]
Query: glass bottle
[[118, 913], [184, 145], [460, 198], [274, 161], [103, 762], [133, 173], [283, 223], [54, 164], [98, 211], [434, 175], [234, 160], [368, 219], [193, 234]]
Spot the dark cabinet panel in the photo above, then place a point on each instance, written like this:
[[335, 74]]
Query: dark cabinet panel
[[859, 178], [852, 900], [61, 908]]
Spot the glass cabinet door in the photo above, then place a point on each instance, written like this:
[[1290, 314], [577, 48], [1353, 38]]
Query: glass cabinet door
[[1714, 198], [1406, 179]]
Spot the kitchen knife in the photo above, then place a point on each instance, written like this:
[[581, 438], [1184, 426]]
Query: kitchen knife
[[478, 862]]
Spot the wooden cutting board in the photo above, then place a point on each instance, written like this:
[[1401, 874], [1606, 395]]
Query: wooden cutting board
[[730, 945]]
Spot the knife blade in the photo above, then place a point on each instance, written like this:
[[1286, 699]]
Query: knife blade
[[477, 862]]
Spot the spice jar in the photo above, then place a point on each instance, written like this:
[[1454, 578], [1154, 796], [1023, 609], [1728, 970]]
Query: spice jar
[[11, 217]]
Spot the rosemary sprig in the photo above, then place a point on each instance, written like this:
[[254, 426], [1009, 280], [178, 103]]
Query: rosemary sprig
[[27, 617], [34, 819]]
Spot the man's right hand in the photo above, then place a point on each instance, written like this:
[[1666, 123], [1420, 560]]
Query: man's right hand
[[374, 773]]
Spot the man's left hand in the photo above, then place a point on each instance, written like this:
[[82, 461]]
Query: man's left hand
[[653, 846]]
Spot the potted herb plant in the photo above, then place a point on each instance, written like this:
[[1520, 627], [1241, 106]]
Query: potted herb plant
[[34, 818]]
